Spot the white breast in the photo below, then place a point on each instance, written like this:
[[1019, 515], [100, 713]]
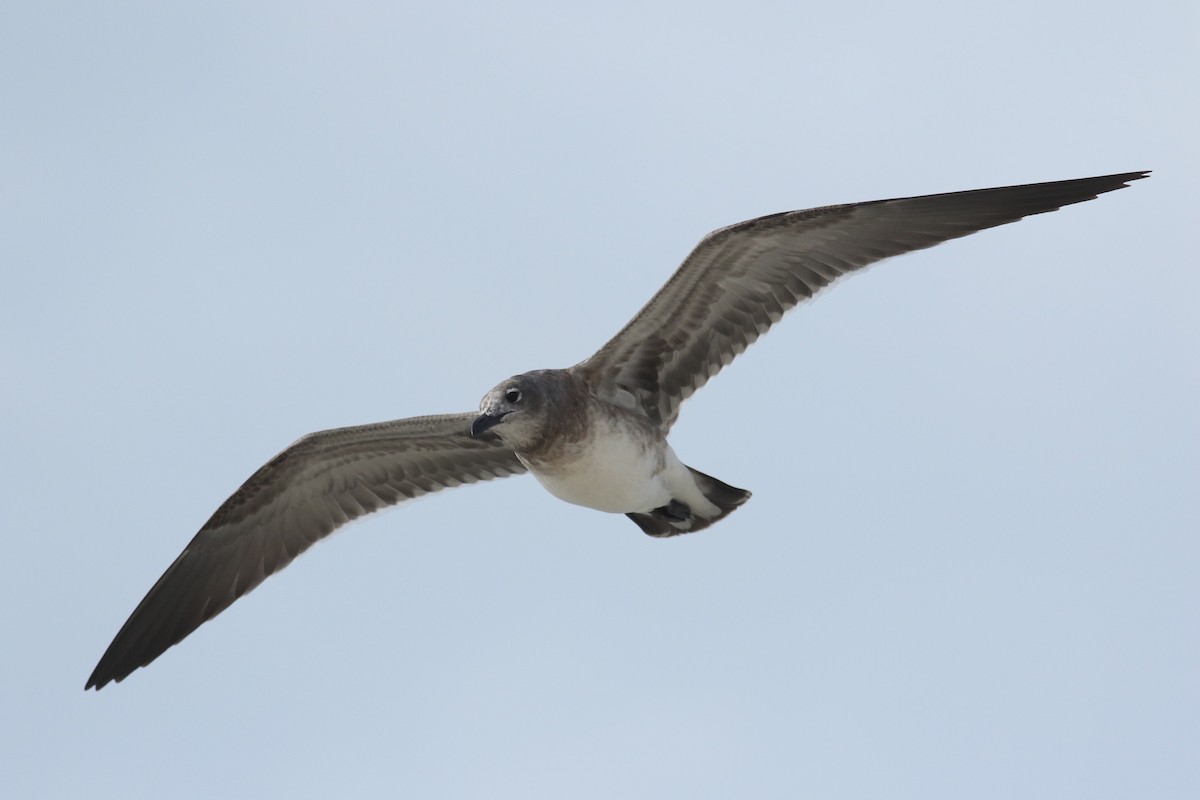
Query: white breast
[[617, 470]]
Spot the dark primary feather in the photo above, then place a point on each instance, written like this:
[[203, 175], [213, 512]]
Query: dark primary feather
[[740, 280], [734, 285], [321, 482]]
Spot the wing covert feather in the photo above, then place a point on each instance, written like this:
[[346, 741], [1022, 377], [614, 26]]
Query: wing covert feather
[[316, 485], [742, 279]]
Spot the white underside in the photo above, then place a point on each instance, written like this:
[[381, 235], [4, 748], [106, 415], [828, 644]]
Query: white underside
[[615, 472]]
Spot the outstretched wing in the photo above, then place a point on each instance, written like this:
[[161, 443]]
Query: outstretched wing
[[740, 280], [321, 482]]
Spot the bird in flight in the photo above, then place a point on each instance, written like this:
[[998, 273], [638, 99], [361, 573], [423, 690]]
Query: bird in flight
[[594, 434]]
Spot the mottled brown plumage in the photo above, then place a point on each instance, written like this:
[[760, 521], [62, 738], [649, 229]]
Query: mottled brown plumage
[[734, 285], [742, 279], [319, 483]]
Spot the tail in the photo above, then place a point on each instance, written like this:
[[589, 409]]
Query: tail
[[676, 517]]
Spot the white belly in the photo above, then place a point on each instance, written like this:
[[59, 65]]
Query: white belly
[[613, 473], [619, 472]]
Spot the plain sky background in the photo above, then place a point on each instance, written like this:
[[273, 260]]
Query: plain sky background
[[970, 566]]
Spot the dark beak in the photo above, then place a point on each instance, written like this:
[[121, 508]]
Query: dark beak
[[485, 422]]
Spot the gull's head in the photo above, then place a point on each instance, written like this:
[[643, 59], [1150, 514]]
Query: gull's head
[[514, 410]]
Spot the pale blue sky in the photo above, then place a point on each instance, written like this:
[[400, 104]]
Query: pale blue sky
[[969, 567]]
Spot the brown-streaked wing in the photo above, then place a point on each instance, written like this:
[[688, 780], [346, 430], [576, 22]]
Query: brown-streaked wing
[[740, 280], [303, 494]]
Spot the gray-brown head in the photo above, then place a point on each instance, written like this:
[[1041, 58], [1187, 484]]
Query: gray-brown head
[[528, 409]]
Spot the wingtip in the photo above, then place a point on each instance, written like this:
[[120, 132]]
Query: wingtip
[[1117, 180], [1120, 180], [96, 683], [103, 675], [1123, 179]]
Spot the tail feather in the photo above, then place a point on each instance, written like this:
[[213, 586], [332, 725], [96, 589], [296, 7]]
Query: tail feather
[[678, 518]]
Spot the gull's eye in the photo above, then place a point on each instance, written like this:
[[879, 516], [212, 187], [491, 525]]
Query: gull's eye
[[512, 395]]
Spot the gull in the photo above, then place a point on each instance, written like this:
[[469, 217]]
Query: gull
[[594, 434]]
